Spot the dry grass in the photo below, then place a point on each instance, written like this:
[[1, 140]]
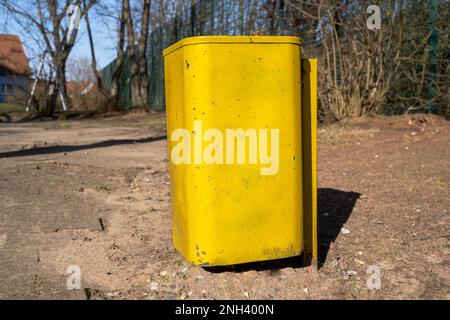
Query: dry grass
[[138, 120], [11, 107], [338, 133]]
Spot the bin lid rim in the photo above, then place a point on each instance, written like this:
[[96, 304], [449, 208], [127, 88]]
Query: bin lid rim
[[231, 39]]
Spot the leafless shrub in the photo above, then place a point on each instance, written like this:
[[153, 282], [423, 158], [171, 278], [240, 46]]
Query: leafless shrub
[[388, 71], [93, 100]]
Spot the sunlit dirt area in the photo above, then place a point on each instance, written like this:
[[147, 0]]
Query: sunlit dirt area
[[96, 194]]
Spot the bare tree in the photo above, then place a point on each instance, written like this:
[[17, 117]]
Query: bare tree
[[142, 45], [110, 14], [80, 69], [120, 55], [49, 18], [138, 60], [95, 71]]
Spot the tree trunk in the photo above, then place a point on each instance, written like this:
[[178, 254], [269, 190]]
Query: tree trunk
[[51, 101], [252, 18], [97, 73], [143, 63], [63, 84], [131, 49], [118, 69]]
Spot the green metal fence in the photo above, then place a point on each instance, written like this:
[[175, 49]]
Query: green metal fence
[[283, 17], [200, 17], [124, 81]]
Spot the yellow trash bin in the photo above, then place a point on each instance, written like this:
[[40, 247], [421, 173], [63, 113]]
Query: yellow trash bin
[[241, 121]]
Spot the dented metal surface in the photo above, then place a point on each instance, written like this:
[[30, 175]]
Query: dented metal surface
[[230, 213]]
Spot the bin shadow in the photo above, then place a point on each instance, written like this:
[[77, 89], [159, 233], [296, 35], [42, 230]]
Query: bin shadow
[[334, 209]]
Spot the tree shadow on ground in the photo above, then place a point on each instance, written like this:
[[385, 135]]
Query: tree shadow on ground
[[72, 148], [334, 209]]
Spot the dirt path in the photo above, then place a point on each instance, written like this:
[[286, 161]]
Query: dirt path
[[95, 194]]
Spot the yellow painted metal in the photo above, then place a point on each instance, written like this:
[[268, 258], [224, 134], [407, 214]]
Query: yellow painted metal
[[231, 213], [309, 129], [227, 40]]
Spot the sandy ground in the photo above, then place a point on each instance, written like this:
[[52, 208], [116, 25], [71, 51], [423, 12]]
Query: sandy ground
[[95, 194]]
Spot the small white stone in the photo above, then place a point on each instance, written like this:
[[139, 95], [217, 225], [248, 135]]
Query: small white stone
[[163, 273], [306, 290], [154, 286], [345, 231], [246, 294]]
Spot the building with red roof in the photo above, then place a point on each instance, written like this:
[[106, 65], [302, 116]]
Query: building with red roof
[[14, 69]]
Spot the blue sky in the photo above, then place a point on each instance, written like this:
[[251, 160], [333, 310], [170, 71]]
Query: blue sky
[[103, 39]]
